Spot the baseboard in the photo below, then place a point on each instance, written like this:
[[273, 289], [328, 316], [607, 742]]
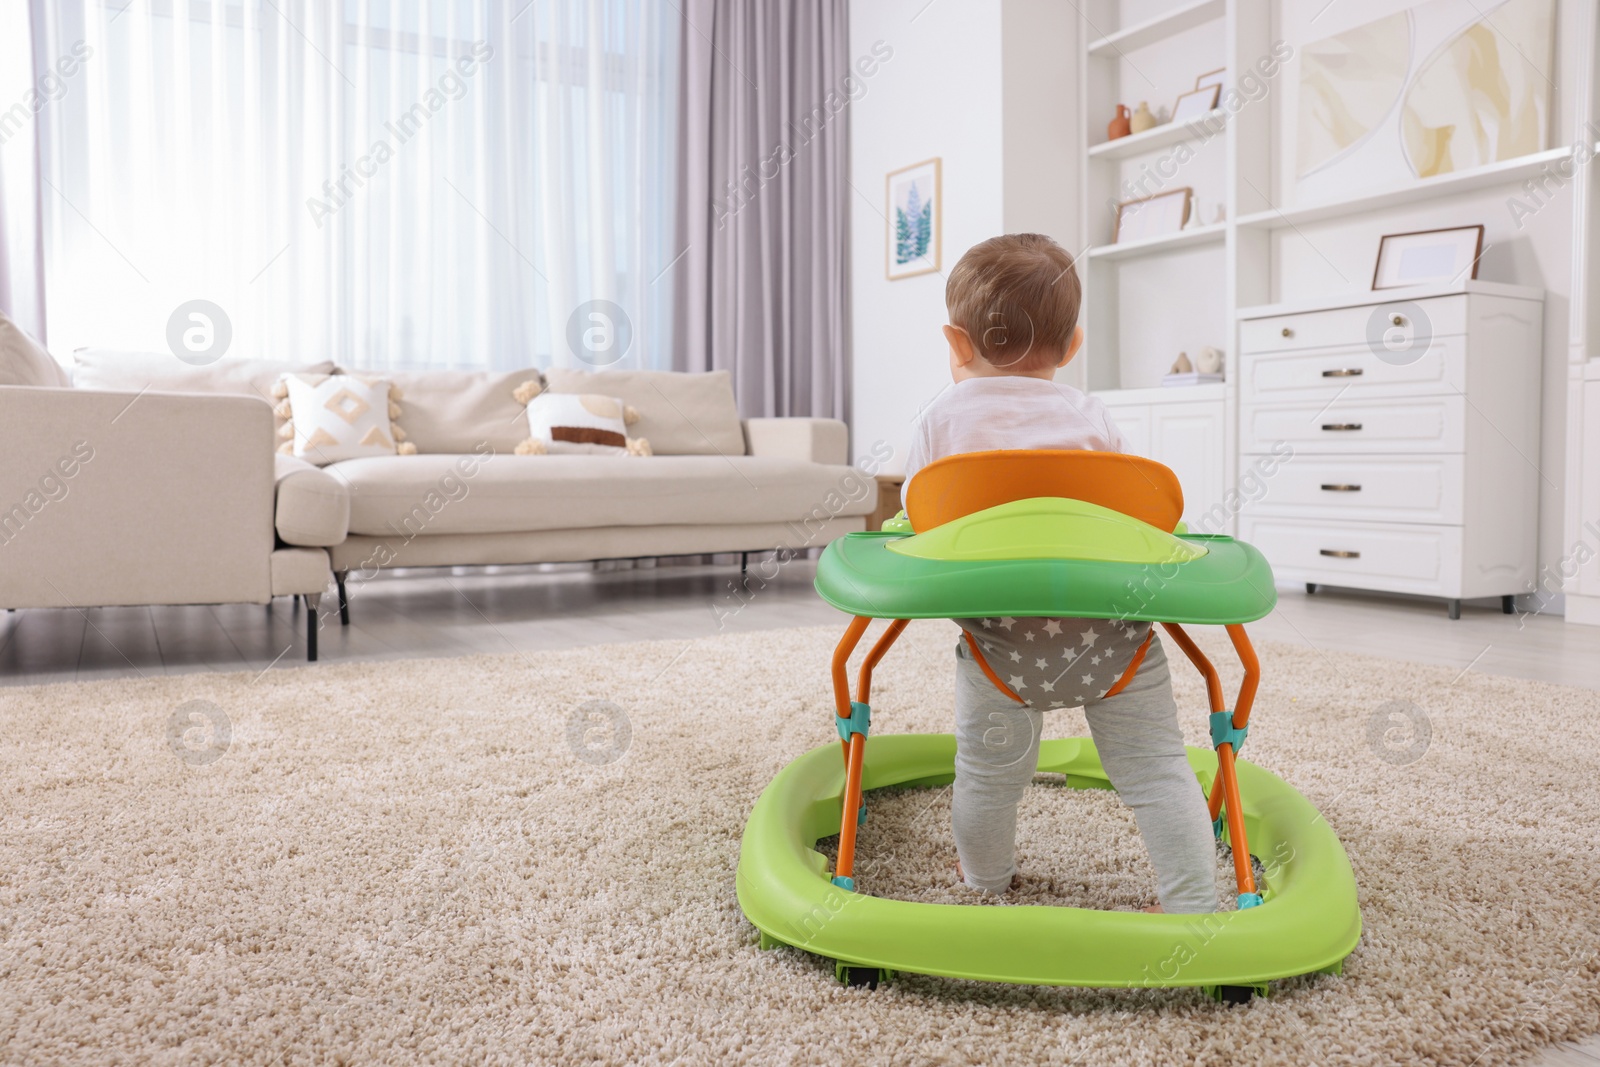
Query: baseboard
[[1583, 609]]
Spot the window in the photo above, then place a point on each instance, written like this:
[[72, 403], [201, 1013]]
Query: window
[[412, 183]]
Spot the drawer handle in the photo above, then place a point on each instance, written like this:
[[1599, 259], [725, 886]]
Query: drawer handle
[[1398, 320], [1288, 332], [1339, 553], [1347, 372], [1341, 426], [1341, 489]]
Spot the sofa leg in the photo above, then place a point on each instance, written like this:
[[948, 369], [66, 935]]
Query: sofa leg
[[344, 599], [313, 623], [744, 563]]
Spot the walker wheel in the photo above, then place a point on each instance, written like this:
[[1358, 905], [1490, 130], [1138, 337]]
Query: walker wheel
[[858, 976]]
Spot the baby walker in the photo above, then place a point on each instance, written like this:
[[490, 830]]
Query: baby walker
[[1078, 534]]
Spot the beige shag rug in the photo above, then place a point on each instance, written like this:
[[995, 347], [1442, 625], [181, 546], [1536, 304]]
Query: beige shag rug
[[511, 860]]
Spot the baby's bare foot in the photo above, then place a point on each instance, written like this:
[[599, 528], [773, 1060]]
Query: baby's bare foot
[[1154, 909]]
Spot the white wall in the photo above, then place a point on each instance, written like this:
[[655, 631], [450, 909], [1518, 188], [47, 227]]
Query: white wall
[[939, 95], [986, 85]]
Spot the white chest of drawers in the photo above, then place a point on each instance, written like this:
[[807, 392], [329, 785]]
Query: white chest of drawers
[[1411, 423]]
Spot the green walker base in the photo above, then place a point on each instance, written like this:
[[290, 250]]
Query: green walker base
[[1309, 920]]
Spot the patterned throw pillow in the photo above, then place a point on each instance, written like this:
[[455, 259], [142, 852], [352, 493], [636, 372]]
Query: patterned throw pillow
[[339, 416], [573, 423]]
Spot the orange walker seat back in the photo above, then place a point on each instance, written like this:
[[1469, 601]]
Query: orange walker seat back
[[960, 485]]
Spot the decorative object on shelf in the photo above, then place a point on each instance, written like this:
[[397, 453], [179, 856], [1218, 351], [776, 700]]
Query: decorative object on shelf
[[1121, 125], [1184, 372], [1194, 222], [1219, 216], [1429, 91], [1428, 257], [915, 227], [1196, 104], [1142, 118], [1152, 216], [1211, 77]]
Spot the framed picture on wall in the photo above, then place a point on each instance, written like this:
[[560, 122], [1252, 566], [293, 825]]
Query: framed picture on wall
[[1210, 78], [914, 226], [1428, 257], [1195, 104], [1153, 216]]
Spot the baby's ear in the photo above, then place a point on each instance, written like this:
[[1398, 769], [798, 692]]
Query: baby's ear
[[1073, 346], [960, 344]]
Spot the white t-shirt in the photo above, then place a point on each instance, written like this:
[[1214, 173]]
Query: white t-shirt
[[1014, 411]]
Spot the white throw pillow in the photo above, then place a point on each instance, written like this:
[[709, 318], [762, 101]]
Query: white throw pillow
[[682, 414], [582, 424], [339, 416]]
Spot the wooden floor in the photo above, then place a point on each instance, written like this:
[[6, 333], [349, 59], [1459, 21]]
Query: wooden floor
[[529, 609]]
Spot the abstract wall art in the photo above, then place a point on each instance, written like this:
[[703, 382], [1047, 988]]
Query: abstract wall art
[[1441, 87]]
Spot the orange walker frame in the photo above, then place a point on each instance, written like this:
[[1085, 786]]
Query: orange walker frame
[[1224, 797]]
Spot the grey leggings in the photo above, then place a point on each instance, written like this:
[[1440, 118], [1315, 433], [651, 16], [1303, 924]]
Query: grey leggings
[[1136, 733]]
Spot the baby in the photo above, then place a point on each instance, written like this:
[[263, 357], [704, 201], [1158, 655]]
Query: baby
[[1013, 305]]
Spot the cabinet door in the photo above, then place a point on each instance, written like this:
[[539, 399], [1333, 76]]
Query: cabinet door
[[1134, 422], [1188, 438]]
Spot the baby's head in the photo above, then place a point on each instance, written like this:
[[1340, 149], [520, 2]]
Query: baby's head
[[1013, 303]]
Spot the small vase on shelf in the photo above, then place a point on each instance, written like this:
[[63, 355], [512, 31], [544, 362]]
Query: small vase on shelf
[[1142, 118], [1118, 127]]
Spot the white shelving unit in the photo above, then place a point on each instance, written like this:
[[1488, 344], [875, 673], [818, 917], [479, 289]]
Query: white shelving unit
[[1183, 17], [1147, 300]]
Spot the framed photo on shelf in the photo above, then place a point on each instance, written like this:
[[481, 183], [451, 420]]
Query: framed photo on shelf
[[1153, 216], [1195, 104], [914, 226], [1427, 257], [1211, 77]]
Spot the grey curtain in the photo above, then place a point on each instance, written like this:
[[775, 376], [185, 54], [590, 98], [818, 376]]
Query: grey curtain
[[763, 285]]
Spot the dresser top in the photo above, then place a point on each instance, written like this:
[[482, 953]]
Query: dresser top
[[1370, 297]]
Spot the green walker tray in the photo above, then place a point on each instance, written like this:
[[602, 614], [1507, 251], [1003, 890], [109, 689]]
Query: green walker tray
[[990, 564]]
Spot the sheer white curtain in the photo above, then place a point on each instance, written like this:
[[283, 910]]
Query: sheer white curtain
[[385, 183]]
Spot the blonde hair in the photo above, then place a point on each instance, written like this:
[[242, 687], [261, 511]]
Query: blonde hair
[[1017, 296]]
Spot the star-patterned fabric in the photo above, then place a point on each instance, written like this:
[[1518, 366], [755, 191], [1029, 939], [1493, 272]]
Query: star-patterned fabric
[[1057, 663]]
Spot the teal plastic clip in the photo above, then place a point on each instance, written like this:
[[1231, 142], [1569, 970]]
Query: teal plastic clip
[[860, 718], [850, 883], [1222, 731], [1249, 900]]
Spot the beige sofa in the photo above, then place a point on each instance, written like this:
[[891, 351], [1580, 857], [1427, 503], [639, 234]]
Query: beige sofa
[[185, 502]]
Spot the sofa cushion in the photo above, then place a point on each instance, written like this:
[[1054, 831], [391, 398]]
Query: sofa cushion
[[680, 414], [114, 369], [455, 411], [106, 368], [418, 495], [23, 361]]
